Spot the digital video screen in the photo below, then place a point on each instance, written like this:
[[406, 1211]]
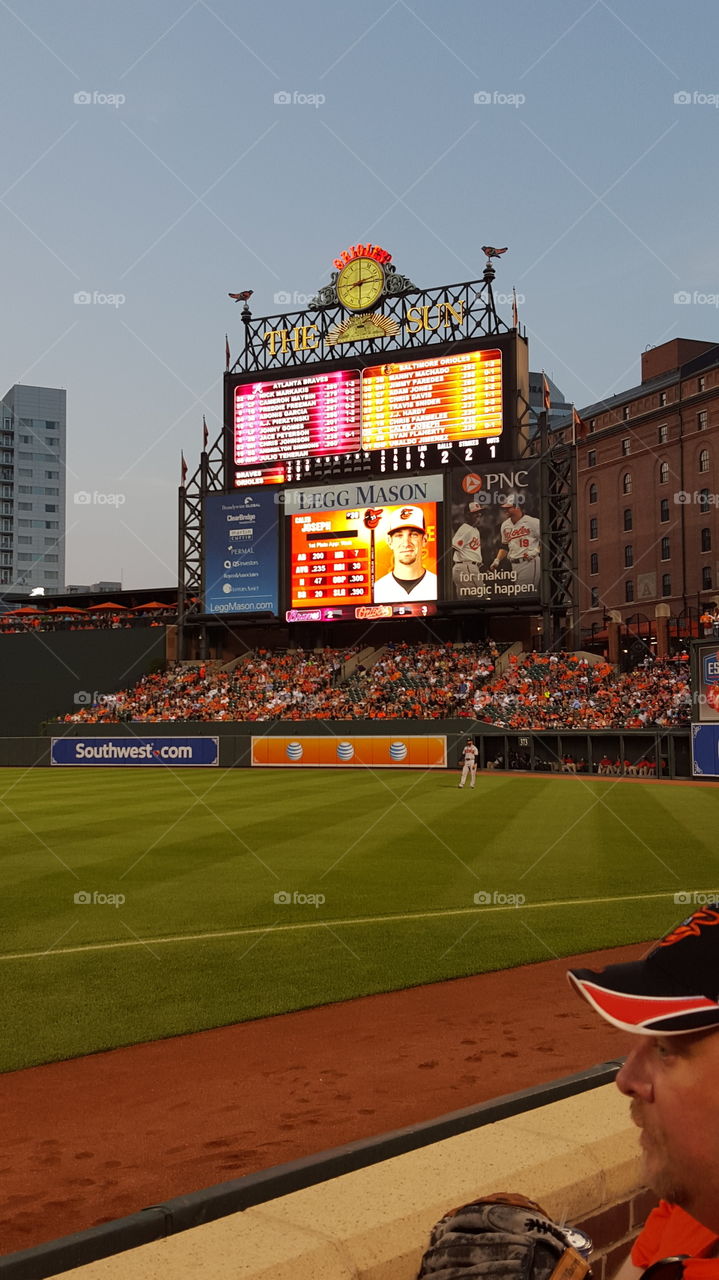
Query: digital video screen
[[297, 417], [438, 401], [351, 558], [394, 406]]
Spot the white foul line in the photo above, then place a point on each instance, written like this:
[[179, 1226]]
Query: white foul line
[[321, 924]]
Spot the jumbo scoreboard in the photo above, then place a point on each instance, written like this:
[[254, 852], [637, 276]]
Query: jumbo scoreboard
[[357, 418]]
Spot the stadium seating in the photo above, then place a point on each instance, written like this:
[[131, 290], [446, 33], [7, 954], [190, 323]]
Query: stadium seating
[[410, 682]]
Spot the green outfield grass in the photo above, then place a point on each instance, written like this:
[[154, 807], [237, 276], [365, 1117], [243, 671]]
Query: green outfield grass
[[398, 857]]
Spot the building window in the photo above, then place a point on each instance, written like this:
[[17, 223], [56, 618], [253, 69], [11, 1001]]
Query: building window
[[593, 529], [706, 536], [704, 460], [666, 584], [701, 383], [703, 501], [662, 399], [628, 522], [663, 433], [626, 446], [24, 541], [627, 482], [706, 578], [625, 413], [702, 420], [663, 510], [628, 556], [629, 590], [594, 563], [595, 597], [51, 506], [664, 473], [666, 550], [591, 458], [592, 493], [592, 424]]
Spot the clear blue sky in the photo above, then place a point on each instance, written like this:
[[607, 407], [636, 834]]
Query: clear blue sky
[[603, 187]]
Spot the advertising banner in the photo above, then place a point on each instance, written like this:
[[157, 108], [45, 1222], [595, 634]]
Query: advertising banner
[[495, 535], [241, 552], [162, 752], [705, 683], [368, 751], [705, 750]]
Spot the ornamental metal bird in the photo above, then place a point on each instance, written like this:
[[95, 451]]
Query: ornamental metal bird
[[492, 252], [242, 297]]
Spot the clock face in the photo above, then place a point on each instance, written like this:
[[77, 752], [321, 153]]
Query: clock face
[[360, 284]]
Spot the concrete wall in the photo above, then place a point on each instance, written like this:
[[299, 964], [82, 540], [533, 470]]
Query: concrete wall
[[579, 1158]]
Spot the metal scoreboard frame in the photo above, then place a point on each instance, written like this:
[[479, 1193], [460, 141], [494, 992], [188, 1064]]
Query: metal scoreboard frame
[[372, 318], [429, 453]]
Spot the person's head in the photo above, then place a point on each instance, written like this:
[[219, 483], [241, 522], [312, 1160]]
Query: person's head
[[407, 539], [669, 1003], [512, 507]]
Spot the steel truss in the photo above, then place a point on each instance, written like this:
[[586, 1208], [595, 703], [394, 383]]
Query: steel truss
[[473, 300], [560, 607]]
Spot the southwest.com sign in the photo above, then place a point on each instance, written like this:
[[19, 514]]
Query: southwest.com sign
[[165, 752]]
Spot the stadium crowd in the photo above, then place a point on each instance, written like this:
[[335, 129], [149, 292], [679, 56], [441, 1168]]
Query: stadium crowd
[[566, 691], [411, 682]]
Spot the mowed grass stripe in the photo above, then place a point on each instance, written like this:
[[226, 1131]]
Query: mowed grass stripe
[[398, 856], [322, 924]]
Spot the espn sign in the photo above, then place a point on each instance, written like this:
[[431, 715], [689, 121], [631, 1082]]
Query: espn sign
[[710, 668]]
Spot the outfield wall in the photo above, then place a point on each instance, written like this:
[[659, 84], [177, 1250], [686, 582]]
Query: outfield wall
[[540, 751], [48, 672]]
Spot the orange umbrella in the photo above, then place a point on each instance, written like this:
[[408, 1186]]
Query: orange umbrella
[[154, 604], [107, 605], [65, 609]]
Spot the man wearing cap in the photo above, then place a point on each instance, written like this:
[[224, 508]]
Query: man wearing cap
[[521, 543], [406, 534], [469, 763], [669, 1002]]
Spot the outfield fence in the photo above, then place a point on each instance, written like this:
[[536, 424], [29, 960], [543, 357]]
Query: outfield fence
[[667, 751]]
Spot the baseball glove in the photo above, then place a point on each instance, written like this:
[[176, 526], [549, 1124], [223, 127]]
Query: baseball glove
[[503, 1237]]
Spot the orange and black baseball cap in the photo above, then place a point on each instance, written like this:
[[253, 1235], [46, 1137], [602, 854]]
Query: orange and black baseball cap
[[673, 990]]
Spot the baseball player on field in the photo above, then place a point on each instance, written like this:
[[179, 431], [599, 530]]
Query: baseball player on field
[[521, 542], [469, 764]]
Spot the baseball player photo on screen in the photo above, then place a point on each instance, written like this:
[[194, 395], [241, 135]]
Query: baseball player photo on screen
[[496, 534], [405, 554]]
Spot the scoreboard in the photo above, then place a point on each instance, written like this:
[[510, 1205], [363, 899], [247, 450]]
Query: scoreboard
[[363, 419], [297, 417], [331, 559], [439, 401]]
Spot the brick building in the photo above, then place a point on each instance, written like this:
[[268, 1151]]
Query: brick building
[[647, 495]]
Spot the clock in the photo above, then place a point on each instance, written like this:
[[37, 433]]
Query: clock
[[360, 284]]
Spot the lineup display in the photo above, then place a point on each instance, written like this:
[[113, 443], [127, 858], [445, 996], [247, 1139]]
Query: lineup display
[[363, 546], [438, 401], [297, 417], [441, 401]]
